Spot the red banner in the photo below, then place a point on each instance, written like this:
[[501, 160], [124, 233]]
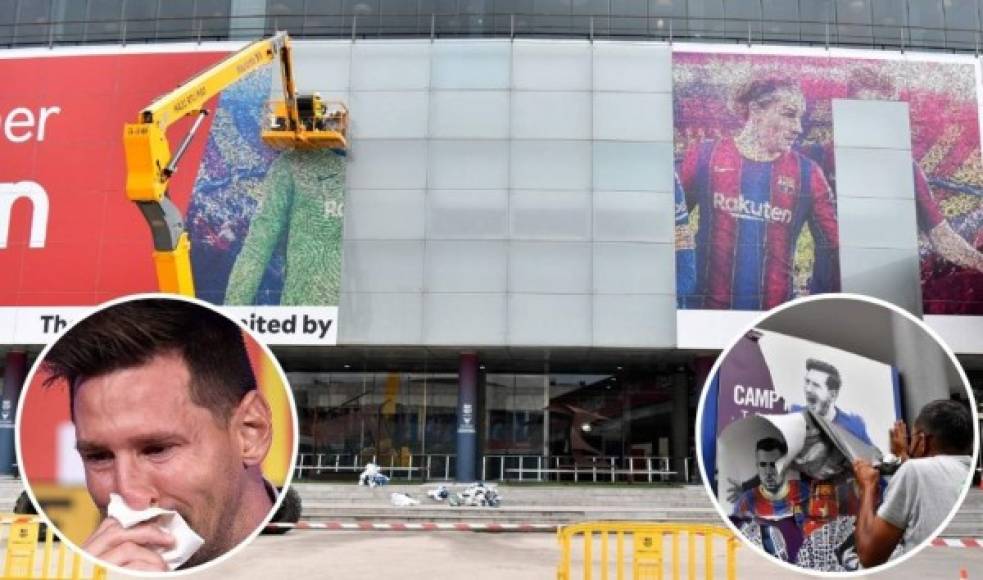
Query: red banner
[[61, 133]]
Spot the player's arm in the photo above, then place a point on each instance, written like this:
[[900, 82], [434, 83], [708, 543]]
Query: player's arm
[[876, 537], [825, 233], [946, 242], [264, 233], [953, 247], [688, 173]]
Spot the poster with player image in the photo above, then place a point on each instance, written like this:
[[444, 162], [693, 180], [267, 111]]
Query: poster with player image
[[156, 434], [265, 225], [780, 477], [754, 150]]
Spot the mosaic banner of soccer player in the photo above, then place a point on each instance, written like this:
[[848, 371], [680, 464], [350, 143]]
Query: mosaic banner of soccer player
[[778, 475], [265, 225], [756, 221]]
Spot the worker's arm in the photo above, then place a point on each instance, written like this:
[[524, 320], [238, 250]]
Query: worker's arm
[[876, 537]]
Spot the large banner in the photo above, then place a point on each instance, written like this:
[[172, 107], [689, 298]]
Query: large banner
[[756, 183], [265, 226]]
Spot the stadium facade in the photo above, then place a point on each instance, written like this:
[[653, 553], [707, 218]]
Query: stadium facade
[[545, 241]]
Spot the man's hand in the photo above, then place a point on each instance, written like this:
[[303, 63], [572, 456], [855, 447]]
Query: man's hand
[[867, 477], [899, 440], [133, 548], [734, 490]]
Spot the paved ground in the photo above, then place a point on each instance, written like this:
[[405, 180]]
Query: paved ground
[[303, 554]]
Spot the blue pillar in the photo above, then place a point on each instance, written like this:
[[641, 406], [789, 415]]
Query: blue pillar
[[14, 373], [467, 417]]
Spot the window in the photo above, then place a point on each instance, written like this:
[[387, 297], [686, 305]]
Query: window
[[818, 20], [889, 22], [212, 18], [925, 22], [853, 22], [104, 21], [325, 18], [780, 19], [289, 15], [32, 22], [176, 20], [962, 23], [7, 19], [706, 18], [743, 18], [139, 20]]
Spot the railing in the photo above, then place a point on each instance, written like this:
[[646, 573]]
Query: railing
[[427, 467], [648, 550], [495, 24], [642, 469]]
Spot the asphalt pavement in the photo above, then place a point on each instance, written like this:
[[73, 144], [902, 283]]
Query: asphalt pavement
[[330, 555]]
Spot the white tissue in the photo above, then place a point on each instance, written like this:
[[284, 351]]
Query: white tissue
[[186, 541]]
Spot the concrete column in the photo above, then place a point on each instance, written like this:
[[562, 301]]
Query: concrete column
[[680, 423], [14, 373], [467, 417]]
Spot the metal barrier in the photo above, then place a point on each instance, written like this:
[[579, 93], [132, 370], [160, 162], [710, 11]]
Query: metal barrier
[[649, 557], [583, 469], [405, 466], [22, 549]]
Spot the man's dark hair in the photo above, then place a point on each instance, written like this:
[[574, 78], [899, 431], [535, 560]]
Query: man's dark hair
[[130, 334], [950, 423], [833, 381], [761, 91], [771, 444]]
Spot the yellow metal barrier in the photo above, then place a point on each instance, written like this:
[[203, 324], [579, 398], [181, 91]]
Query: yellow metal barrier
[[655, 550], [20, 557]]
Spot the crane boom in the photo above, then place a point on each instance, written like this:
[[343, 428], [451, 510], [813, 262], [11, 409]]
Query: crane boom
[[150, 164]]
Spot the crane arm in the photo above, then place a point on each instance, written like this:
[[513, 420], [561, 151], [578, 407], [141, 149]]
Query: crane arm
[[150, 164]]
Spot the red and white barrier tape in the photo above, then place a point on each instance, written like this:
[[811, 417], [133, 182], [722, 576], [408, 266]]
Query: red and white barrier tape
[[958, 542], [417, 526]]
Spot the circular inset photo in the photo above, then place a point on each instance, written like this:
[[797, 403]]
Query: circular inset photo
[[838, 434], [156, 434]]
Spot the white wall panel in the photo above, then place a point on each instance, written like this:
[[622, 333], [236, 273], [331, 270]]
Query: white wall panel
[[391, 65], [622, 166], [382, 266], [469, 114], [470, 64], [878, 223], [366, 318], [634, 67], [389, 115], [633, 216], [467, 214], [892, 178], [466, 266], [549, 320], [633, 268], [881, 124], [458, 164], [634, 320], [551, 165], [468, 319], [551, 65], [322, 66], [550, 267], [550, 215], [633, 116], [551, 115], [374, 164], [384, 214]]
